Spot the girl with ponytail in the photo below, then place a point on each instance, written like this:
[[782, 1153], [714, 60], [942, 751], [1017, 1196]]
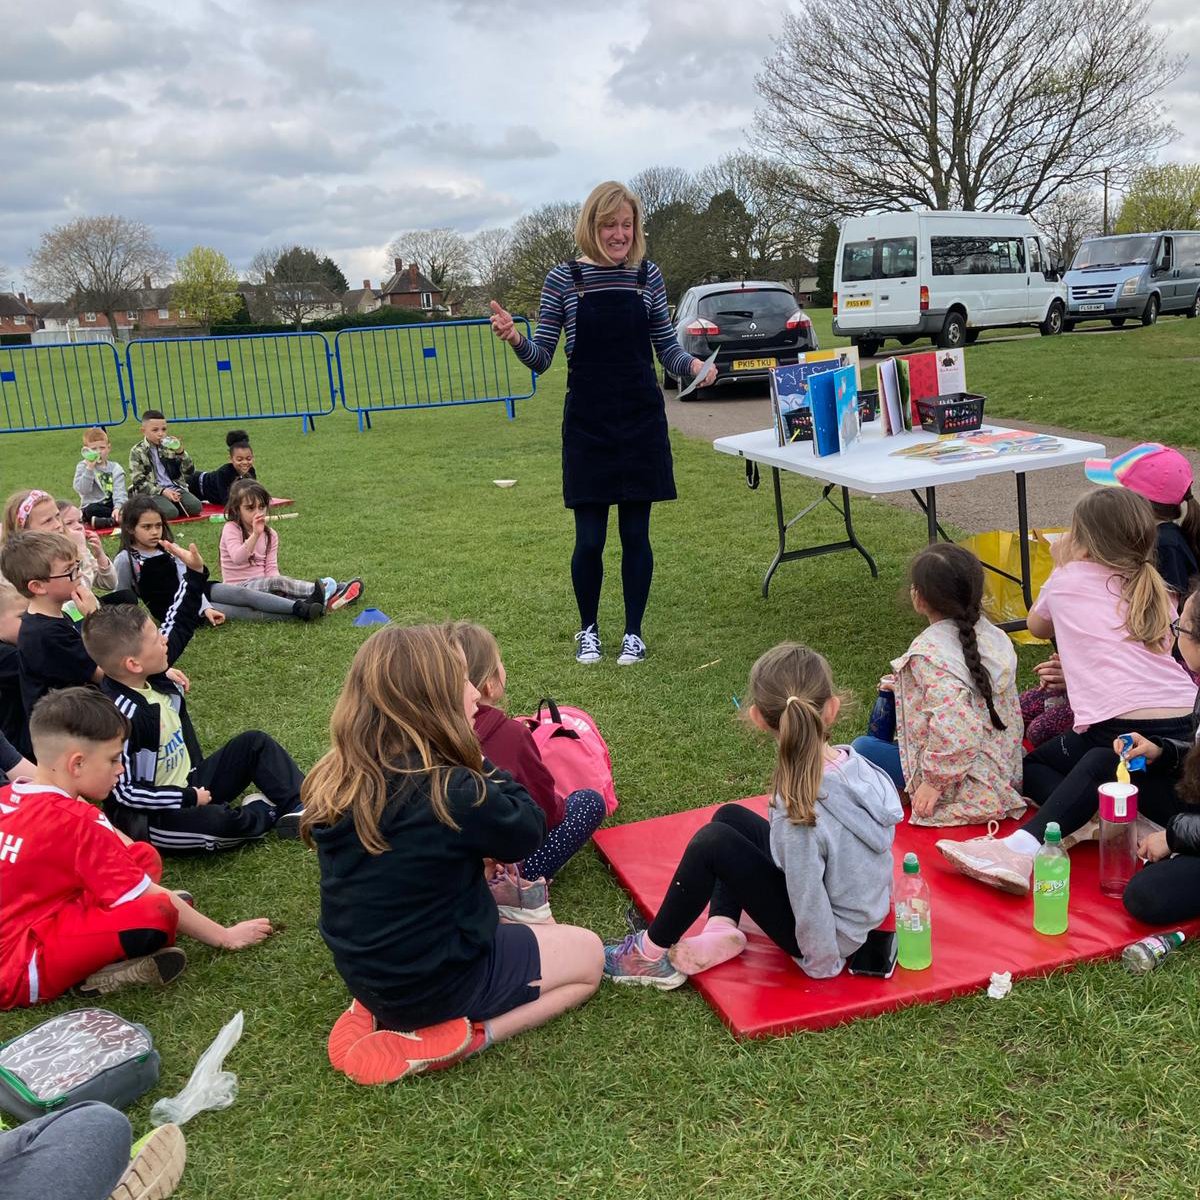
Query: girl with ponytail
[[958, 719], [815, 875], [1110, 613]]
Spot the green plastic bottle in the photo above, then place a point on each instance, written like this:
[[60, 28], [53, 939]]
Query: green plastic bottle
[[914, 942], [1051, 883]]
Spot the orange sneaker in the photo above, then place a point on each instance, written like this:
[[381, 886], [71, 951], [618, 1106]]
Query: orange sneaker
[[478, 1041], [386, 1056], [355, 1023]]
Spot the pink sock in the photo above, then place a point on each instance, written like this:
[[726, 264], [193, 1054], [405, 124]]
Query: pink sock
[[650, 950], [718, 942]]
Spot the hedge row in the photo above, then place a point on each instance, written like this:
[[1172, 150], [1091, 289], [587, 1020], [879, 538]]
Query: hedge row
[[386, 315]]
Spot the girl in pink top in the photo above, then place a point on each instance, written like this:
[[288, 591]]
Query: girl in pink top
[[250, 554], [1107, 607]]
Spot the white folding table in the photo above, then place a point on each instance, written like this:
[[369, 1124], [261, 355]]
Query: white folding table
[[870, 466]]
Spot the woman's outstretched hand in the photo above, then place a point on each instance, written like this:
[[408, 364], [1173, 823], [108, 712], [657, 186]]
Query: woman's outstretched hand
[[503, 326], [709, 377]]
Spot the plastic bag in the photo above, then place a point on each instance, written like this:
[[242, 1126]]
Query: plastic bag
[[209, 1086], [1002, 598]]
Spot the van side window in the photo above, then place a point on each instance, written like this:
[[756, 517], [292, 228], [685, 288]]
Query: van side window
[[1035, 256], [977, 256], [1163, 262]]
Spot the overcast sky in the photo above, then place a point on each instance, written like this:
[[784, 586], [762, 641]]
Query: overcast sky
[[280, 121]]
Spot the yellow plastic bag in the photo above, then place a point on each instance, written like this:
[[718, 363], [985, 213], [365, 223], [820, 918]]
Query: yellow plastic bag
[[1002, 598]]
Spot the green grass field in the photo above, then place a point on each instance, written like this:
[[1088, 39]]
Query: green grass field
[[1078, 1084]]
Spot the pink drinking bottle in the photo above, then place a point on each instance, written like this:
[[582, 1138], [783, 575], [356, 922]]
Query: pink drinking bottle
[[1118, 836]]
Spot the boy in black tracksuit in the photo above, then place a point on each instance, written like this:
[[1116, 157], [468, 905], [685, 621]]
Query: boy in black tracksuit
[[170, 794]]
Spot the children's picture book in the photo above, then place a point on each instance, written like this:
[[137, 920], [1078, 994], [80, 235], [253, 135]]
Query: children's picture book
[[789, 399], [833, 397], [895, 415], [987, 443], [932, 373]]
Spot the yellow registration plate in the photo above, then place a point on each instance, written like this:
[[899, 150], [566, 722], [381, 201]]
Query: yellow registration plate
[[859, 302], [753, 364]]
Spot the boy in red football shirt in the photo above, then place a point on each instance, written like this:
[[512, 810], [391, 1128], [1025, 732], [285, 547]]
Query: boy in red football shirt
[[78, 900]]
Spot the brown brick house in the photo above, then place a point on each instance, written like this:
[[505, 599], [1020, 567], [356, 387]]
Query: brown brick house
[[16, 313], [408, 288]]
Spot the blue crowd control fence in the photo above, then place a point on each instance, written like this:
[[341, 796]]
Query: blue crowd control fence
[[430, 365], [244, 377], [61, 386]]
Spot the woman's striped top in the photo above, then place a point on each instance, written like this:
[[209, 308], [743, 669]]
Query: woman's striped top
[[560, 300]]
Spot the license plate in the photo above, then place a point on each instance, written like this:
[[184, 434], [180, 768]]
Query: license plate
[[1091, 308], [863, 302], [753, 364]]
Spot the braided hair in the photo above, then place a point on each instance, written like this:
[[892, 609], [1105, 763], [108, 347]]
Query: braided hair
[[949, 579]]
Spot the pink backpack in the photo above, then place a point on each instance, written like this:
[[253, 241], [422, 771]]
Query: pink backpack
[[572, 749]]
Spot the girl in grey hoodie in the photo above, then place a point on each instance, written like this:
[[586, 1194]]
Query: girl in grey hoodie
[[816, 876]]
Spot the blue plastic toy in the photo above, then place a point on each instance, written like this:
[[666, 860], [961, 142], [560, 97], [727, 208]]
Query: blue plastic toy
[[372, 616]]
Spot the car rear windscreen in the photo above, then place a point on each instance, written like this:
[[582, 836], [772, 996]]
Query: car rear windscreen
[[880, 258], [769, 303]]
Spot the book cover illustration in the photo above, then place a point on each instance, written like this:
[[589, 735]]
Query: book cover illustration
[[825, 390], [892, 410], [849, 416], [951, 372], [987, 443], [789, 398]]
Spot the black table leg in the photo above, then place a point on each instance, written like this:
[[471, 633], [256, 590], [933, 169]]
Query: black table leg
[[1023, 533]]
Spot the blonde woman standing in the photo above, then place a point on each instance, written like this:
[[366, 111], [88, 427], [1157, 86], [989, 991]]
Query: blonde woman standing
[[612, 304]]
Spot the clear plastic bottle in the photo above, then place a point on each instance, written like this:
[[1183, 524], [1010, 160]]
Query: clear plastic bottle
[[914, 938], [1143, 956], [1118, 836], [1051, 883]]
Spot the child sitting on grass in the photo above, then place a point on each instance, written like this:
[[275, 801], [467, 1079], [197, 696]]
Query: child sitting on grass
[[44, 568], [816, 877], [213, 486], [95, 567], [31, 511], [250, 554], [955, 693], [79, 904], [160, 467], [403, 811], [144, 564], [172, 795], [570, 820], [99, 483]]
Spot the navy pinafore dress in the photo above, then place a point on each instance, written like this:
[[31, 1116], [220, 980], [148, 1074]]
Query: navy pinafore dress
[[615, 445]]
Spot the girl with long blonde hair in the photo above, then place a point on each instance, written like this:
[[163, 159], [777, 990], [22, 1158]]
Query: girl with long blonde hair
[[403, 811], [815, 875], [1110, 613]]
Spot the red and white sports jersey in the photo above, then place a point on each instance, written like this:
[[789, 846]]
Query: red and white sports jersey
[[54, 850]]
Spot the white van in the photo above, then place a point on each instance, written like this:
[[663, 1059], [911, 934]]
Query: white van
[[944, 275]]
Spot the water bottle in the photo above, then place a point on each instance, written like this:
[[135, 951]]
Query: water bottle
[[1051, 883], [1143, 956], [914, 947], [882, 722], [1118, 837]]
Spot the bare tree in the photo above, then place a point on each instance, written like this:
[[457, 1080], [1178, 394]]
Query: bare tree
[[660, 187], [1068, 219], [97, 263], [540, 240], [441, 256], [490, 256], [974, 104]]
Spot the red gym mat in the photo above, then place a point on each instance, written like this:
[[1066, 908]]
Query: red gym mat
[[207, 512], [976, 930]]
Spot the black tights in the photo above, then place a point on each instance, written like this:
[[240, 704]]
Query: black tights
[[637, 560], [1166, 892], [728, 866]]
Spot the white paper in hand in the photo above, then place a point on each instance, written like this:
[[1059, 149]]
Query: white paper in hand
[[708, 362]]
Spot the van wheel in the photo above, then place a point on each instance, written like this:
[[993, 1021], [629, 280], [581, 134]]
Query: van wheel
[[1053, 324], [1118, 322], [1194, 311], [868, 347], [954, 332], [1150, 315], [971, 336]]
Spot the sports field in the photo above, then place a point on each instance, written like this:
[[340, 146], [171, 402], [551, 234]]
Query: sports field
[[1080, 1084]]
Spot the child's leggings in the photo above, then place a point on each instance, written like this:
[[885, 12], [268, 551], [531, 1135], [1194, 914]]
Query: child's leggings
[[281, 585], [585, 811], [246, 604], [728, 866]]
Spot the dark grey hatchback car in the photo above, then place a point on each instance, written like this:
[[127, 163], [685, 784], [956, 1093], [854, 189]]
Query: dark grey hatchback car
[[753, 325]]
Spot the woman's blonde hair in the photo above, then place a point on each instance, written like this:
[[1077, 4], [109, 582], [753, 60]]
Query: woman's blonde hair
[[602, 204], [790, 686], [400, 713], [480, 649], [1116, 528]]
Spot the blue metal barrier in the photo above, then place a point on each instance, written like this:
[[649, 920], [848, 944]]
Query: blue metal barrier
[[60, 386], [428, 365], [245, 377]]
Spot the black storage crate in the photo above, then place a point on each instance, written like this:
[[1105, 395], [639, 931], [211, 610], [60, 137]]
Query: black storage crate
[[956, 412]]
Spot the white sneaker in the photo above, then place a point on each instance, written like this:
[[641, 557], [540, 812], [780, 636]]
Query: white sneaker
[[990, 861], [588, 645], [633, 650]]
